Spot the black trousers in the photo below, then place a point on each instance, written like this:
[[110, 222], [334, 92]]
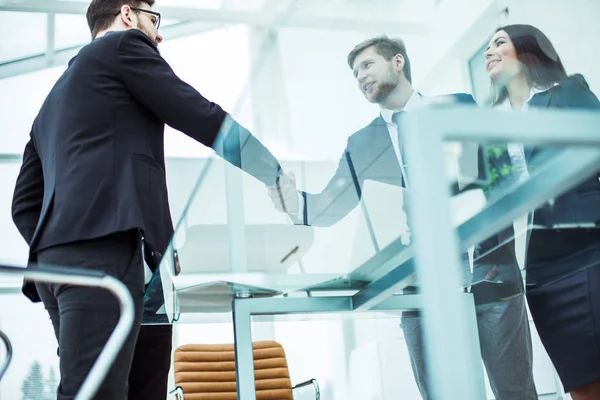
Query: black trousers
[[83, 319], [149, 374]]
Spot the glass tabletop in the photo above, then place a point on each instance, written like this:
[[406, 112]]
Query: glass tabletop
[[347, 224]]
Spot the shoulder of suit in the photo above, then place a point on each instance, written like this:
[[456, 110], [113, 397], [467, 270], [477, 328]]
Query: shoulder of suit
[[110, 40], [459, 98], [377, 123], [571, 92], [464, 97], [367, 131], [134, 35], [572, 86], [575, 82], [113, 36]]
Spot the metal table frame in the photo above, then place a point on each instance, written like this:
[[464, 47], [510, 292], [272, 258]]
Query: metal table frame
[[449, 336]]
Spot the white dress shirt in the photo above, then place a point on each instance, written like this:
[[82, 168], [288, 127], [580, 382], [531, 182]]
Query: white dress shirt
[[415, 101], [515, 150], [517, 159]]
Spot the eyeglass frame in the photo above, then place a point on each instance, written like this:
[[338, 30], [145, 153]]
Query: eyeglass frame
[[156, 14]]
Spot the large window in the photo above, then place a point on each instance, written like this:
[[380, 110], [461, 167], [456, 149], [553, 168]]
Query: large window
[[480, 83]]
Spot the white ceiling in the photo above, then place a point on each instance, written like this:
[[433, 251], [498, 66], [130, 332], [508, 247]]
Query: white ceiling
[[38, 34]]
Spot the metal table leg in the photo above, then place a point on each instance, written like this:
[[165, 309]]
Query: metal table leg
[[449, 326], [244, 357]]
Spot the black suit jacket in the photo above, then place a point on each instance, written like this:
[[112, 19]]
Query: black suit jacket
[[581, 204], [94, 163]]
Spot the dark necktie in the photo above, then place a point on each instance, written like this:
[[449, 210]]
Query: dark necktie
[[397, 119]]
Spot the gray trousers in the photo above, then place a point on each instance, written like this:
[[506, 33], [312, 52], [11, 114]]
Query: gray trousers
[[505, 342]]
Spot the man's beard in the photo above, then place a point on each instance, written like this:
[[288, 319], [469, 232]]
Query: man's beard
[[145, 32], [385, 88]]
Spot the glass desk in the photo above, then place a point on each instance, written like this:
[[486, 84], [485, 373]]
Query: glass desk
[[361, 242]]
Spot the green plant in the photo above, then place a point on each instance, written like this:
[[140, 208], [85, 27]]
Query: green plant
[[499, 163]]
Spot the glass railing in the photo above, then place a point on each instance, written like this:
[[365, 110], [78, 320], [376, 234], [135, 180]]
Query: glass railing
[[345, 229], [345, 217]]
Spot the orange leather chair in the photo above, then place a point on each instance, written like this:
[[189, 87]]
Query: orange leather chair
[[207, 372]]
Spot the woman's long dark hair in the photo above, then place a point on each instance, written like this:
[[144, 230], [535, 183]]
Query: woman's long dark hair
[[541, 64]]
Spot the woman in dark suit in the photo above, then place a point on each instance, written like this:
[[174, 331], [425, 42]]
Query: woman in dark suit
[[563, 267]]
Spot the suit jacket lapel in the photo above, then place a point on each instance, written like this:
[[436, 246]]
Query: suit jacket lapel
[[541, 100], [379, 140], [376, 153]]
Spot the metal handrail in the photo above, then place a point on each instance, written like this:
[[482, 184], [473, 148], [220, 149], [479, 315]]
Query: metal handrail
[[81, 277], [8, 357]]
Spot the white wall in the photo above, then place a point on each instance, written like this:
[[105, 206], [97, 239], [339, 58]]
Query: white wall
[[572, 26]]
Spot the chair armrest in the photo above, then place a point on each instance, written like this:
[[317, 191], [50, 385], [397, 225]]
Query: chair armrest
[[176, 394], [312, 382]]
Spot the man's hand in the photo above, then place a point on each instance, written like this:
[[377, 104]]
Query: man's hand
[[284, 195]]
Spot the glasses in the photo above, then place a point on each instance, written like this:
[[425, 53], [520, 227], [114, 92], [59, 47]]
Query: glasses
[[155, 20]]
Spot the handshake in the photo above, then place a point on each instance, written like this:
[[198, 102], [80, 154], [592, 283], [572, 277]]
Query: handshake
[[287, 199], [284, 194]]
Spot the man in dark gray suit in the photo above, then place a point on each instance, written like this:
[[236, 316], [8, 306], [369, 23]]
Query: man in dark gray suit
[[92, 191], [381, 67]]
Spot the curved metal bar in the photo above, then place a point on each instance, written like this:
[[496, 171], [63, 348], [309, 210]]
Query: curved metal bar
[[83, 277], [315, 385], [8, 357]]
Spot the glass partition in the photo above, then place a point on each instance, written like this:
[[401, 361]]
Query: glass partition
[[341, 226], [345, 215]]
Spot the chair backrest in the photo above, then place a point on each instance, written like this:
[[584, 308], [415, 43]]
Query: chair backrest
[[207, 372]]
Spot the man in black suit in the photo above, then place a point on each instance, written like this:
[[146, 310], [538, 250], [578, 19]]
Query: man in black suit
[[92, 191], [381, 67]]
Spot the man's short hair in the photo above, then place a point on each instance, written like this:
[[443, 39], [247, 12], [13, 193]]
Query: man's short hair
[[101, 13], [385, 47]]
